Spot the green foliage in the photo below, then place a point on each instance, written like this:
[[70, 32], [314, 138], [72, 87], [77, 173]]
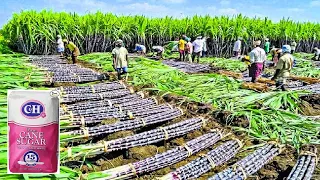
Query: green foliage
[[35, 32], [4, 49], [272, 115]]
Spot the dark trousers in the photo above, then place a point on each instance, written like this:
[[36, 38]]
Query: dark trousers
[[194, 55], [74, 59]]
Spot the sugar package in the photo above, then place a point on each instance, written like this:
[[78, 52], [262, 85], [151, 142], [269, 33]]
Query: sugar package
[[33, 131]]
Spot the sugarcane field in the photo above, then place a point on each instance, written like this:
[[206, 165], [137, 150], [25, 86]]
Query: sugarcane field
[[212, 97]]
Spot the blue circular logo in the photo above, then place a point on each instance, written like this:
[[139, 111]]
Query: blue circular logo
[[31, 158]]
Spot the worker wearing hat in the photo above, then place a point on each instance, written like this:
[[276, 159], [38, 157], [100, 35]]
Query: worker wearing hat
[[120, 58], [60, 45], [283, 67], [316, 54], [237, 48], [257, 59], [267, 46], [75, 52], [197, 48]]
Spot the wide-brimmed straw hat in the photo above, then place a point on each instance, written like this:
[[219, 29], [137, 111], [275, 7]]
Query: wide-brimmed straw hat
[[257, 43]]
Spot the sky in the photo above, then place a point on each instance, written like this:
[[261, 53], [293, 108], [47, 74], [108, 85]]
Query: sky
[[298, 10]]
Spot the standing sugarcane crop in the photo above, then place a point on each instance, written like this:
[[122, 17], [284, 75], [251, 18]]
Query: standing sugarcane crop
[[283, 67], [257, 58], [75, 52], [197, 48], [120, 59], [60, 45], [182, 44]]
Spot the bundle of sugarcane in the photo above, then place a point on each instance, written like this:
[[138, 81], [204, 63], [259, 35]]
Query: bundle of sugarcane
[[141, 139], [231, 74], [120, 126], [314, 88], [161, 160], [305, 166], [109, 110], [70, 98], [93, 116], [250, 164], [97, 88], [135, 107], [308, 80], [266, 80], [187, 67], [206, 162], [255, 86], [100, 103]]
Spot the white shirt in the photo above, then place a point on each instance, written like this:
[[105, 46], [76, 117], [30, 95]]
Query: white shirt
[[197, 45], [317, 52], [204, 44], [257, 55], [237, 46], [160, 48], [60, 43]]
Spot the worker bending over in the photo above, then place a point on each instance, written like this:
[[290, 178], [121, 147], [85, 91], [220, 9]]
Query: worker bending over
[[141, 49], [120, 58], [75, 52], [257, 59], [316, 54], [275, 52], [283, 67], [159, 50]]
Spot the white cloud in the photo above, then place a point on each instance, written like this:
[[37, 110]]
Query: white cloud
[[224, 2], [315, 3], [212, 8], [295, 10], [173, 1], [228, 11], [145, 7], [122, 1]]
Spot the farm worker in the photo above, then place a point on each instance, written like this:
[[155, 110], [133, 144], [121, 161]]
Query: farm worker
[[316, 54], [275, 52], [141, 49], [237, 48], [159, 50], [283, 67], [246, 60], [182, 44], [197, 48], [267, 46], [204, 49], [257, 58], [60, 45], [189, 50], [75, 52], [120, 58], [293, 47]]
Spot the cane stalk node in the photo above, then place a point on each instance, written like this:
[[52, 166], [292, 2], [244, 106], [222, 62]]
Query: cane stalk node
[[166, 135], [213, 165]]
